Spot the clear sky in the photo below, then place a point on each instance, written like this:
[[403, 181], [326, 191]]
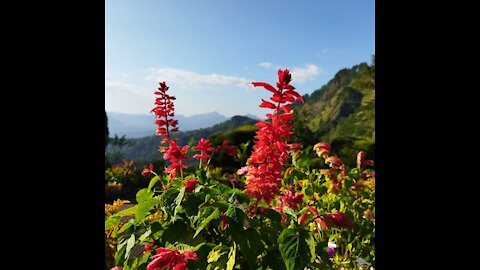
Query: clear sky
[[208, 51]]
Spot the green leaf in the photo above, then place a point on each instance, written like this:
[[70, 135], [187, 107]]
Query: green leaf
[[249, 242], [144, 194], [215, 214], [273, 215], [145, 206], [130, 244], [127, 212], [153, 181], [145, 235], [126, 226], [178, 201], [295, 248], [289, 211], [231, 257], [112, 220]]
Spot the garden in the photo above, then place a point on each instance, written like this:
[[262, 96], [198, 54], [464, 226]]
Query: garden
[[289, 206]]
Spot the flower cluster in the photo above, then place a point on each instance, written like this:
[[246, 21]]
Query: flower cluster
[[205, 149], [171, 258], [270, 151], [164, 113], [176, 155]]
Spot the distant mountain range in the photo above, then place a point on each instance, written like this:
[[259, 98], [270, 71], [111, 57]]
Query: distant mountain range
[[146, 148], [137, 125]]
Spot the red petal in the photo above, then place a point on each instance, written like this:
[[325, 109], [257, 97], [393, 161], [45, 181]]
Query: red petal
[[266, 104], [266, 86]]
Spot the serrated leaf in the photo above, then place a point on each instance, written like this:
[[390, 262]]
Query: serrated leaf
[[153, 181], [204, 223], [231, 257], [294, 248], [130, 244]]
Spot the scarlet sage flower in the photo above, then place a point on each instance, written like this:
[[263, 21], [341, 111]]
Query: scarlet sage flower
[[164, 113], [205, 149], [302, 218], [322, 149], [148, 171], [148, 247], [334, 162], [340, 219], [361, 162], [224, 147], [176, 155], [171, 258], [291, 200], [190, 185], [271, 149]]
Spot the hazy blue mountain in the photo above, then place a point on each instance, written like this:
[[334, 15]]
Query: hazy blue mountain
[[139, 125]]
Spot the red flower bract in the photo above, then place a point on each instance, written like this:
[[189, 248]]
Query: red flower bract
[[170, 258], [205, 149], [291, 200], [164, 112], [176, 155], [270, 151], [227, 148], [340, 220], [190, 185]]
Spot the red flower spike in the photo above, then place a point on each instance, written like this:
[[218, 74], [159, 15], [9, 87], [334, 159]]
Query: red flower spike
[[205, 149], [271, 150], [302, 218]]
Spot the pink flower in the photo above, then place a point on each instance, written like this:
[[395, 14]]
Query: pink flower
[[147, 172], [117, 268], [171, 258]]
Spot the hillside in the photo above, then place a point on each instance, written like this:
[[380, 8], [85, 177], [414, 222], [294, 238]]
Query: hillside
[[345, 106], [146, 149], [342, 112]]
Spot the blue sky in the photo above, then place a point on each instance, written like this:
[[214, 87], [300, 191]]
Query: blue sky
[[208, 51]]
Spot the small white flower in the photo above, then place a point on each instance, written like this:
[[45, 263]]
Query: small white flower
[[362, 261], [332, 244]]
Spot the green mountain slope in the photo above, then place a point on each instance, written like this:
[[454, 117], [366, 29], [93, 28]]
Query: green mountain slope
[[345, 106]]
